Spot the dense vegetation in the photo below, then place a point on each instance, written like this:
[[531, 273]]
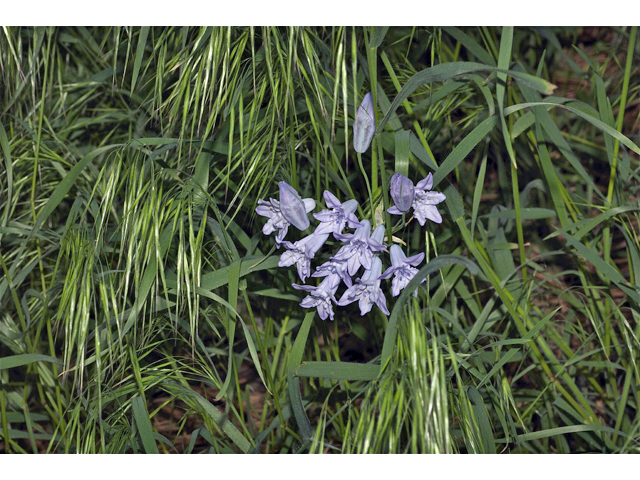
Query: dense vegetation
[[142, 308]]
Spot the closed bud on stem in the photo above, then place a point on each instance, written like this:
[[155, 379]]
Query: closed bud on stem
[[294, 209], [364, 125], [402, 192]]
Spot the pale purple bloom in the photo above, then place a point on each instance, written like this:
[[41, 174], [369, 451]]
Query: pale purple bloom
[[364, 125], [359, 247], [321, 296], [291, 209], [367, 291], [424, 202], [402, 268], [402, 192], [334, 267], [301, 253], [294, 209], [334, 220], [276, 221]]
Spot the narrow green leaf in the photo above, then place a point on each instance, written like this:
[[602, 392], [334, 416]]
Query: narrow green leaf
[[477, 192], [555, 187], [8, 172], [248, 264], [378, 36], [527, 437], [142, 42], [339, 370], [141, 417], [233, 278], [482, 417], [295, 358], [13, 361], [454, 203], [504, 58]]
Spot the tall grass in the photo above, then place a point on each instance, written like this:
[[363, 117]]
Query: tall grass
[[143, 311]]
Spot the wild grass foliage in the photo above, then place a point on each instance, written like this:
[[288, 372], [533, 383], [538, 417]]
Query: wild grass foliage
[[142, 309]]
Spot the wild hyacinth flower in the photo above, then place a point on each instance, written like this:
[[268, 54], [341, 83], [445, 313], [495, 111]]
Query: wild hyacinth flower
[[276, 221], [367, 291], [334, 220], [334, 267], [290, 210], [294, 209], [359, 247], [402, 192], [364, 125], [301, 253], [402, 268], [321, 296], [424, 202]]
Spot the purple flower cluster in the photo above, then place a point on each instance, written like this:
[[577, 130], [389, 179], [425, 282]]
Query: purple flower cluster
[[361, 248]]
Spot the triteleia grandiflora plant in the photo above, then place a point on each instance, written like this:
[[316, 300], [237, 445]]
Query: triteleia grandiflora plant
[[361, 249]]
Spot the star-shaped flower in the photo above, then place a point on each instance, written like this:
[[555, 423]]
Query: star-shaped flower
[[403, 269], [367, 290], [271, 209], [424, 201], [301, 253], [321, 296], [334, 220], [359, 247], [290, 210], [334, 267]]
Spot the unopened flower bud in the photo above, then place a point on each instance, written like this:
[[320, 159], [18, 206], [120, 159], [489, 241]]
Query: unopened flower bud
[[364, 125], [402, 191], [293, 208]]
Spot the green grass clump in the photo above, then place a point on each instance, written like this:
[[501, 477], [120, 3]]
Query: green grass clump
[[142, 310]]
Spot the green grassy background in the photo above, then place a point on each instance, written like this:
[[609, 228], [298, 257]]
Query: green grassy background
[[142, 309]]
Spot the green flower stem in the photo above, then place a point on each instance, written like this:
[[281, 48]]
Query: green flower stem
[[372, 56], [385, 196], [366, 181]]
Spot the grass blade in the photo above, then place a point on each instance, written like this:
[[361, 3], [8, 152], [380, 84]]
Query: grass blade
[[295, 359], [14, 361], [141, 417], [140, 53], [339, 370]]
